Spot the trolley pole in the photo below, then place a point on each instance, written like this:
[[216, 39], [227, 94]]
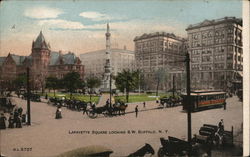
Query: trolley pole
[[188, 98], [28, 95]]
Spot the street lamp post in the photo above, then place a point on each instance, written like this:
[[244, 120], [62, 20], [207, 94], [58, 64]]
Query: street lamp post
[[173, 84], [110, 90], [188, 97], [28, 96]]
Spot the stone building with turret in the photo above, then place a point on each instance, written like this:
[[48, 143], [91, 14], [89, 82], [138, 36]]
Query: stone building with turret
[[42, 63]]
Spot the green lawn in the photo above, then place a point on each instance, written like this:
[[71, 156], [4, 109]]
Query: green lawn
[[81, 97], [141, 97]]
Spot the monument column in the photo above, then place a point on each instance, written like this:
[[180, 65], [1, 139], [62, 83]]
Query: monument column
[[107, 68]]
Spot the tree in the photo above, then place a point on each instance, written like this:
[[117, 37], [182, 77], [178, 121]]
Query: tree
[[92, 82], [83, 86], [71, 82], [20, 82], [126, 81], [160, 76], [52, 83]]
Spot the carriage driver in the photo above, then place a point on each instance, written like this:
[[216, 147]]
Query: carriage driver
[[221, 126]]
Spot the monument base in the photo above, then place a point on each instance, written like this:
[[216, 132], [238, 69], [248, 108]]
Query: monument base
[[105, 90]]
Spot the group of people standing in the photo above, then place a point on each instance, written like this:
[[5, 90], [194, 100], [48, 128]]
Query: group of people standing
[[15, 119]]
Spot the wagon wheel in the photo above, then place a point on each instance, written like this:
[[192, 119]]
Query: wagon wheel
[[162, 152], [85, 111], [92, 114], [105, 113]]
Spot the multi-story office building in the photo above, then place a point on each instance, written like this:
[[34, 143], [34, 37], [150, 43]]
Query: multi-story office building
[[94, 62], [215, 48], [159, 55]]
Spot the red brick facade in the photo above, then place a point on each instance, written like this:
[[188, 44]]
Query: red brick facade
[[42, 62]]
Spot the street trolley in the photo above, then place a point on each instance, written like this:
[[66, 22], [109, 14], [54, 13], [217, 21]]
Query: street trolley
[[201, 100]]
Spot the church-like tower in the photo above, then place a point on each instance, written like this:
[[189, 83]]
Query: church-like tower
[[40, 58], [107, 67]]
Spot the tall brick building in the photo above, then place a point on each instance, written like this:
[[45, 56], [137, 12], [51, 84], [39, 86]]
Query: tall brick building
[[158, 54], [42, 62], [215, 47]]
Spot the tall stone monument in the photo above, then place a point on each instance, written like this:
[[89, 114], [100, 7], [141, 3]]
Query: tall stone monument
[[107, 68]]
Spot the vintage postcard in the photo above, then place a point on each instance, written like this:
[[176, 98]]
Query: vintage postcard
[[122, 78]]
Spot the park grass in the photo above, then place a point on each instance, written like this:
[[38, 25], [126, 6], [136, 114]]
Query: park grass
[[141, 97], [80, 97]]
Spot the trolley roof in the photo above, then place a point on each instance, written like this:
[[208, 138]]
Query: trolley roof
[[205, 93]]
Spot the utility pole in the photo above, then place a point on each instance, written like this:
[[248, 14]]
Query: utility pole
[[28, 95], [188, 98], [173, 85], [110, 90]]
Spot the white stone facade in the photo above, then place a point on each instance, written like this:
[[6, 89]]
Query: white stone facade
[[215, 48], [94, 61]]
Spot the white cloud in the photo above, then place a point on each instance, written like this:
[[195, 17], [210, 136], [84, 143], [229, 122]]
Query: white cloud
[[95, 16], [61, 24], [42, 12]]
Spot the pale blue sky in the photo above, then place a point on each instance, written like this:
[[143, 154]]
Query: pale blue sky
[[80, 26]]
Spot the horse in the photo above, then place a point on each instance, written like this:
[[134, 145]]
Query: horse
[[122, 108], [147, 149], [119, 108]]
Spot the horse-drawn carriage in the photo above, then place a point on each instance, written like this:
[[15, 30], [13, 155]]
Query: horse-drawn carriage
[[107, 110], [33, 97], [72, 104], [6, 104], [55, 101], [213, 135], [76, 105], [170, 101], [177, 147]]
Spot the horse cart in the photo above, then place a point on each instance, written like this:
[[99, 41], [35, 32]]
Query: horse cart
[[104, 110], [33, 97], [116, 109], [170, 102], [213, 135], [177, 147]]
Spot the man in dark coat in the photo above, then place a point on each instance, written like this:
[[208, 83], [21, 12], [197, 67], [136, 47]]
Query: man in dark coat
[[11, 121], [136, 111]]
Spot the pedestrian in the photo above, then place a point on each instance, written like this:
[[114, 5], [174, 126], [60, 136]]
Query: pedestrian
[[15, 115], [136, 111], [107, 102], [2, 121], [144, 104], [11, 120], [93, 105], [58, 113], [225, 105], [20, 111], [19, 122], [221, 126]]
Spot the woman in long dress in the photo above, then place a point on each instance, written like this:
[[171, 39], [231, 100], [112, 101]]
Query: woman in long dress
[[58, 113], [2, 121]]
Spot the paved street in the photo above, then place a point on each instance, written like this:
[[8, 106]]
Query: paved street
[[48, 136]]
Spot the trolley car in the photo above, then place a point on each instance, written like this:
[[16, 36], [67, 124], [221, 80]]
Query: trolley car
[[201, 100]]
